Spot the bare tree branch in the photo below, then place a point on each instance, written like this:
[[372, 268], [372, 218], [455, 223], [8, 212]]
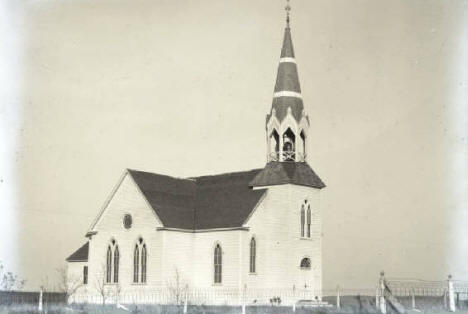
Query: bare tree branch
[[177, 287], [100, 284], [68, 283], [10, 281]]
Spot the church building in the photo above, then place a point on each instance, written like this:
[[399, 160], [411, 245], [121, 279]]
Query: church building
[[258, 229]]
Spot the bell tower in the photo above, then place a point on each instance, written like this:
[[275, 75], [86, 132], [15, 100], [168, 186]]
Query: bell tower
[[287, 127], [287, 124]]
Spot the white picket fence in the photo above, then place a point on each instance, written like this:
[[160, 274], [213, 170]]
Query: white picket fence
[[220, 296], [398, 293]]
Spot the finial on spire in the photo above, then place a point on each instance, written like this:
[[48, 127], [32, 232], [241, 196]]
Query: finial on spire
[[287, 8]]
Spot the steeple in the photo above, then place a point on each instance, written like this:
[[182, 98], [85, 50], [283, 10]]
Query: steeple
[[287, 123]]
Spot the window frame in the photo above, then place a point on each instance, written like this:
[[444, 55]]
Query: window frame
[[218, 265], [144, 258], [253, 256], [85, 274], [136, 264], [116, 264], [302, 221], [109, 264]]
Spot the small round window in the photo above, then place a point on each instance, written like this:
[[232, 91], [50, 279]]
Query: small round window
[[305, 263], [127, 221]]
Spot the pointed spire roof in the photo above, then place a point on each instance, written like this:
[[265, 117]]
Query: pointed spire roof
[[287, 91], [287, 51], [287, 79]]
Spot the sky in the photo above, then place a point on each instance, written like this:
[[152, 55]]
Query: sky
[[91, 87]]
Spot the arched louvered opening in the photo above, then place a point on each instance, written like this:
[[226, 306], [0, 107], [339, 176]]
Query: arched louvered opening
[[289, 145], [303, 140], [274, 146]]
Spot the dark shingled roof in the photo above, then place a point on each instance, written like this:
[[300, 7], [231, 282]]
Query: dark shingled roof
[[218, 201], [287, 78], [80, 255], [276, 173], [281, 105]]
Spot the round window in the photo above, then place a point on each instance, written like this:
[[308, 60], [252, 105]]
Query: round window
[[127, 221]]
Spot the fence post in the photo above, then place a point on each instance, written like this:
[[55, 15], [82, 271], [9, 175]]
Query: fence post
[[243, 298], [377, 303], [294, 298], [382, 303], [413, 300], [338, 301], [451, 294], [185, 301], [40, 299], [445, 298]]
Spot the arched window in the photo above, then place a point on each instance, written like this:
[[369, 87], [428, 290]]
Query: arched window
[[85, 275], [143, 264], [274, 143], [308, 221], [289, 145], [218, 264], [109, 264], [253, 254], [305, 263], [116, 264], [136, 262], [139, 261], [302, 220]]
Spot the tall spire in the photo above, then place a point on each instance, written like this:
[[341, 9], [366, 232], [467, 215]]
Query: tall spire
[[287, 93], [287, 124]]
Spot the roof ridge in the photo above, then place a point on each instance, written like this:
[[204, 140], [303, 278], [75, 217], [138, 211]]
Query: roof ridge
[[210, 201], [223, 174], [159, 174]]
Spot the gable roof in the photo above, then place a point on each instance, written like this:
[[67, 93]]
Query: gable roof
[[80, 255], [276, 173], [206, 202]]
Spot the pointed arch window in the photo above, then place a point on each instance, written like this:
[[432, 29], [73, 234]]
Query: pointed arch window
[[109, 264], [309, 218], [303, 140], [143, 264], [218, 264], [139, 261], [289, 145], [274, 146], [253, 255], [136, 261], [116, 264], [112, 262], [302, 220]]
